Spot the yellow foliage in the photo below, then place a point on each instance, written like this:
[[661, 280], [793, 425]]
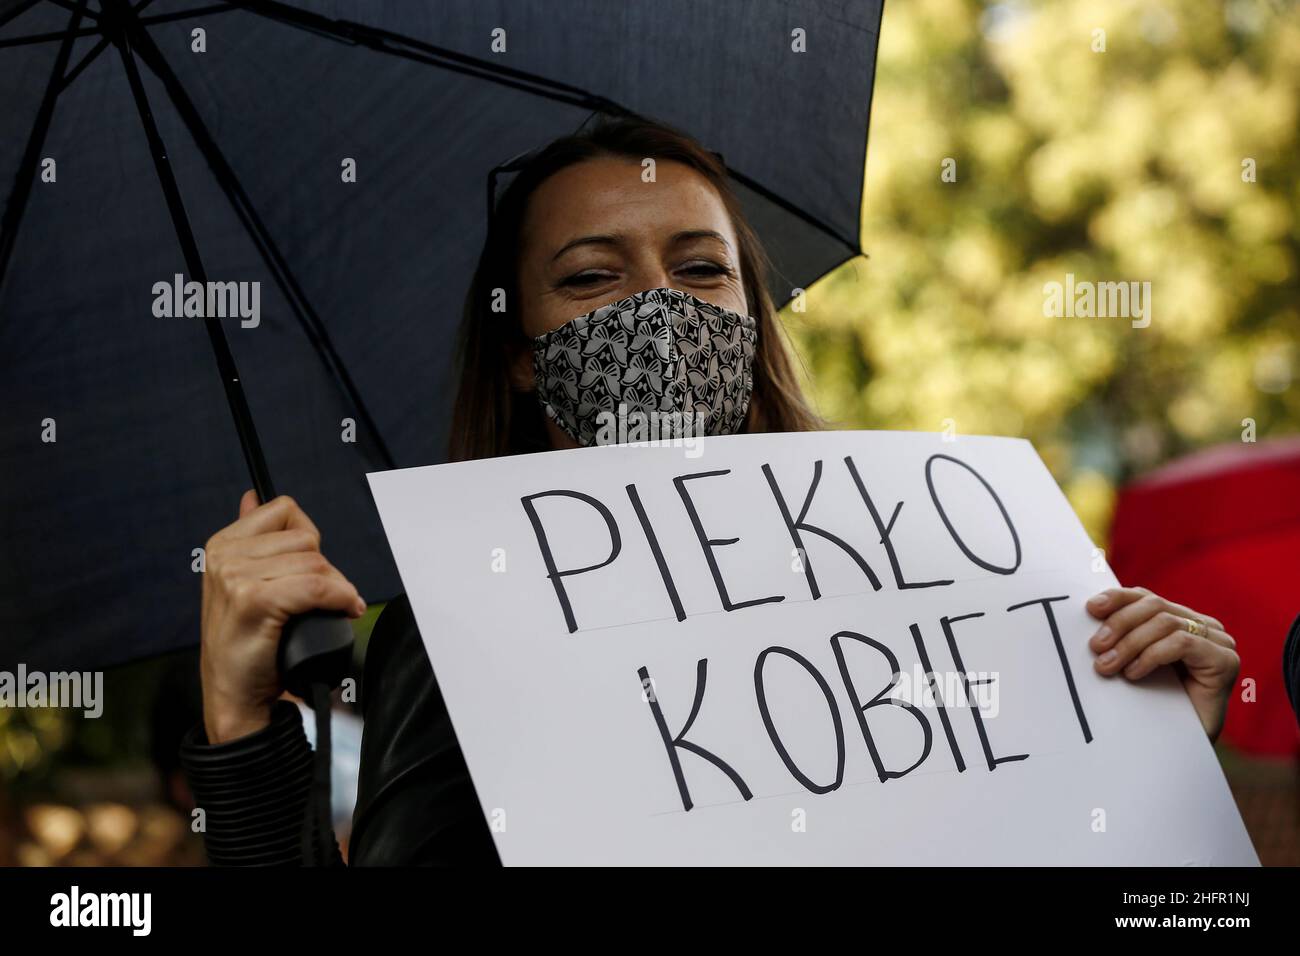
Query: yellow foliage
[[1142, 141]]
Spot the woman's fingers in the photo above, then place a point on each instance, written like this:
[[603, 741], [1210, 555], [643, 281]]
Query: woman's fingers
[[1129, 608], [291, 568], [1124, 609], [300, 593], [1107, 602], [1181, 610], [278, 514], [282, 565], [269, 562], [1112, 600], [273, 543], [261, 570], [1141, 631], [1197, 653], [1133, 643]]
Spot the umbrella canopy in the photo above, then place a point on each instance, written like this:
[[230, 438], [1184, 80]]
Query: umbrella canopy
[[120, 457], [1219, 531]]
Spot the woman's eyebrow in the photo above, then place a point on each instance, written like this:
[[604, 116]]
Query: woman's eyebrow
[[604, 240], [689, 234], [684, 235]]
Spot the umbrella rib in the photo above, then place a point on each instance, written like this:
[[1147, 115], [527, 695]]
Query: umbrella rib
[[239, 200], [22, 188], [184, 14], [789, 207], [73, 5], [47, 37], [96, 31], [235, 397], [18, 10], [357, 34], [86, 60], [95, 51], [382, 41]]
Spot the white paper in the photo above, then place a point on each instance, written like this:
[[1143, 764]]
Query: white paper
[[569, 761]]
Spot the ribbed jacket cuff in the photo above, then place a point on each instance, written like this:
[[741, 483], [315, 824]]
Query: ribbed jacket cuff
[[253, 791]]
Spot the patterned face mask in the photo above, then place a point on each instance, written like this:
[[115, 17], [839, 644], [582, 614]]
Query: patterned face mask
[[663, 358]]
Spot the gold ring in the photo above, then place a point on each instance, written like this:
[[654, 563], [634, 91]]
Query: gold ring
[[1194, 627]]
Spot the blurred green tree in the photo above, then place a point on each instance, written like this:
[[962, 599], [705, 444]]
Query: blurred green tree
[[1115, 140]]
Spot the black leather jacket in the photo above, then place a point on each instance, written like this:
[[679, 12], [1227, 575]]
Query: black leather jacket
[[415, 802]]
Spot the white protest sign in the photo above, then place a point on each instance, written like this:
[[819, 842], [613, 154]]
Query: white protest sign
[[658, 655]]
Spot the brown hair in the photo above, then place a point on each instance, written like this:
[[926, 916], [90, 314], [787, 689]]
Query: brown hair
[[491, 417]]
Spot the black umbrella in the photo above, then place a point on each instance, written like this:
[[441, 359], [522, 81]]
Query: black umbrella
[[151, 139]]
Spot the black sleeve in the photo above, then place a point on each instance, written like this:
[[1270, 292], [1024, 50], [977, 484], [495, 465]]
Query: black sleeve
[[253, 791], [415, 802], [1291, 666]]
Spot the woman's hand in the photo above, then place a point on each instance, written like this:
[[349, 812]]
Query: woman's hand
[[1140, 631], [260, 571]]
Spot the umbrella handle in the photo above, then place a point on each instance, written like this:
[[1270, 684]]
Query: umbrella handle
[[314, 654], [315, 648]]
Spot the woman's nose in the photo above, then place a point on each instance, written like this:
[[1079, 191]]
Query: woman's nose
[[651, 277]]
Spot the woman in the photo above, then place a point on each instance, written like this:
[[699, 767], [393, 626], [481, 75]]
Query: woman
[[582, 228]]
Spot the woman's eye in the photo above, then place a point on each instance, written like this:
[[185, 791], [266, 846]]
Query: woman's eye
[[584, 278], [705, 269]]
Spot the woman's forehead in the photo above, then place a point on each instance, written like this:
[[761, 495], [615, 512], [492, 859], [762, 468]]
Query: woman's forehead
[[616, 196]]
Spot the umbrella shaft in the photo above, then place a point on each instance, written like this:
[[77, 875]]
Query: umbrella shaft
[[239, 411], [248, 440]]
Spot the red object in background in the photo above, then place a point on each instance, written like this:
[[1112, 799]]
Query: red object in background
[[1219, 531]]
